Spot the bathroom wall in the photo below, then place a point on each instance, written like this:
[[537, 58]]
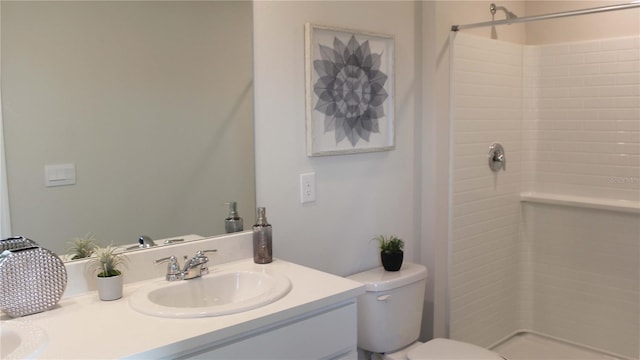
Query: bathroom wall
[[579, 28], [485, 213], [436, 31], [583, 101], [358, 196], [582, 124], [584, 275]]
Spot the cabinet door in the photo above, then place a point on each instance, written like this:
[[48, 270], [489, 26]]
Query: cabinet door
[[328, 335]]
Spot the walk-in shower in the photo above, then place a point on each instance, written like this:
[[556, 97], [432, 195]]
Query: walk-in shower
[[544, 256]]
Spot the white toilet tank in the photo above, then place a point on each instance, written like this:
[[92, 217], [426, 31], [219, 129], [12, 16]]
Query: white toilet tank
[[390, 312]]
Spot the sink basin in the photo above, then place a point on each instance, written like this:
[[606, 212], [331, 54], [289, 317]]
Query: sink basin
[[219, 293], [9, 341], [20, 340]]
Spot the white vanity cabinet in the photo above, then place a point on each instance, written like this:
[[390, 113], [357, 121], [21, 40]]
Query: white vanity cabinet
[[316, 319], [328, 334]]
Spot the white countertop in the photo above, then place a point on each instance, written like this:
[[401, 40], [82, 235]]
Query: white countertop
[[83, 327]]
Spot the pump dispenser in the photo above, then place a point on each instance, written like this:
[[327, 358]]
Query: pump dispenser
[[233, 223], [262, 244]]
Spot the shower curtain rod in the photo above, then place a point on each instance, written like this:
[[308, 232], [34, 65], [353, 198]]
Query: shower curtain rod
[[594, 10]]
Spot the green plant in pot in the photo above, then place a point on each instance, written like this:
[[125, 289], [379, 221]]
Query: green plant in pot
[[391, 252], [82, 247], [105, 264]]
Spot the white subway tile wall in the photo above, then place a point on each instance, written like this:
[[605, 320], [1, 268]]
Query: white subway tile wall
[[487, 98], [582, 126], [569, 118], [582, 107], [586, 282]]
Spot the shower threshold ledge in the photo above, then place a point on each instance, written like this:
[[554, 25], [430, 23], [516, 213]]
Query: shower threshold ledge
[[531, 345], [626, 206]]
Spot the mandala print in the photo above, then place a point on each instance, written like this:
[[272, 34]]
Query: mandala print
[[350, 90]]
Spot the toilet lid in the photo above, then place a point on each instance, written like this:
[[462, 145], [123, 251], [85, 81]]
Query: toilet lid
[[445, 349]]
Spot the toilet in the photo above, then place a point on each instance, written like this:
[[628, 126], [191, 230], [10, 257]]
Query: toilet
[[390, 315]]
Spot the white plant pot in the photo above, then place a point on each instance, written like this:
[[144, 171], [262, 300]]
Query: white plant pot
[[110, 288]]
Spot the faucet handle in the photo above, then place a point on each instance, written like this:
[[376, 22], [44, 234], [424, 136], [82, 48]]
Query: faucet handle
[[158, 261], [173, 268], [200, 254]]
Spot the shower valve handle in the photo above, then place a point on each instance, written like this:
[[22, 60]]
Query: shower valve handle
[[497, 158]]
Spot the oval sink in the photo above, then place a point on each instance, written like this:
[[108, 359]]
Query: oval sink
[[20, 340], [220, 293]]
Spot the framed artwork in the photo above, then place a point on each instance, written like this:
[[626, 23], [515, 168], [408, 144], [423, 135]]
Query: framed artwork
[[349, 88]]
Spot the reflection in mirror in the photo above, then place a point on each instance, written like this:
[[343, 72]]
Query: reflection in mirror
[[147, 103]]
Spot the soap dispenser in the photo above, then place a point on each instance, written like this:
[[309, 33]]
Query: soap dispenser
[[233, 223], [262, 245]]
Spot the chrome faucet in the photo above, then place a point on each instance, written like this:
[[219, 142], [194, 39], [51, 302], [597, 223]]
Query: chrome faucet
[[145, 242], [193, 268]]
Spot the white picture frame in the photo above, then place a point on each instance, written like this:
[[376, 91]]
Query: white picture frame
[[349, 91]]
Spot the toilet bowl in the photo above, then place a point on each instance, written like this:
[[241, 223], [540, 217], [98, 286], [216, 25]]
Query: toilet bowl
[[390, 316]]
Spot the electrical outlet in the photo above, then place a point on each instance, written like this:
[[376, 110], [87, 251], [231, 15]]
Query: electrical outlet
[[307, 188]]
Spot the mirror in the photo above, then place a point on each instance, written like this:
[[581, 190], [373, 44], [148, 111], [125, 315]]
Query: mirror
[[150, 103]]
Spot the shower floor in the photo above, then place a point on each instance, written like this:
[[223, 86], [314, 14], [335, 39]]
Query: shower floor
[[529, 346]]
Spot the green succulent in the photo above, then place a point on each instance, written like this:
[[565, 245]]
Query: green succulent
[[390, 244]]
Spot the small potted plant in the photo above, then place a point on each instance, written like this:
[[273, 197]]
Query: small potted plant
[[105, 263], [391, 252], [82, 247]]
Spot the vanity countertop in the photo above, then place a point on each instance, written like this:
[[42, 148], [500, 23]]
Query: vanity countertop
[[84, 327]]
